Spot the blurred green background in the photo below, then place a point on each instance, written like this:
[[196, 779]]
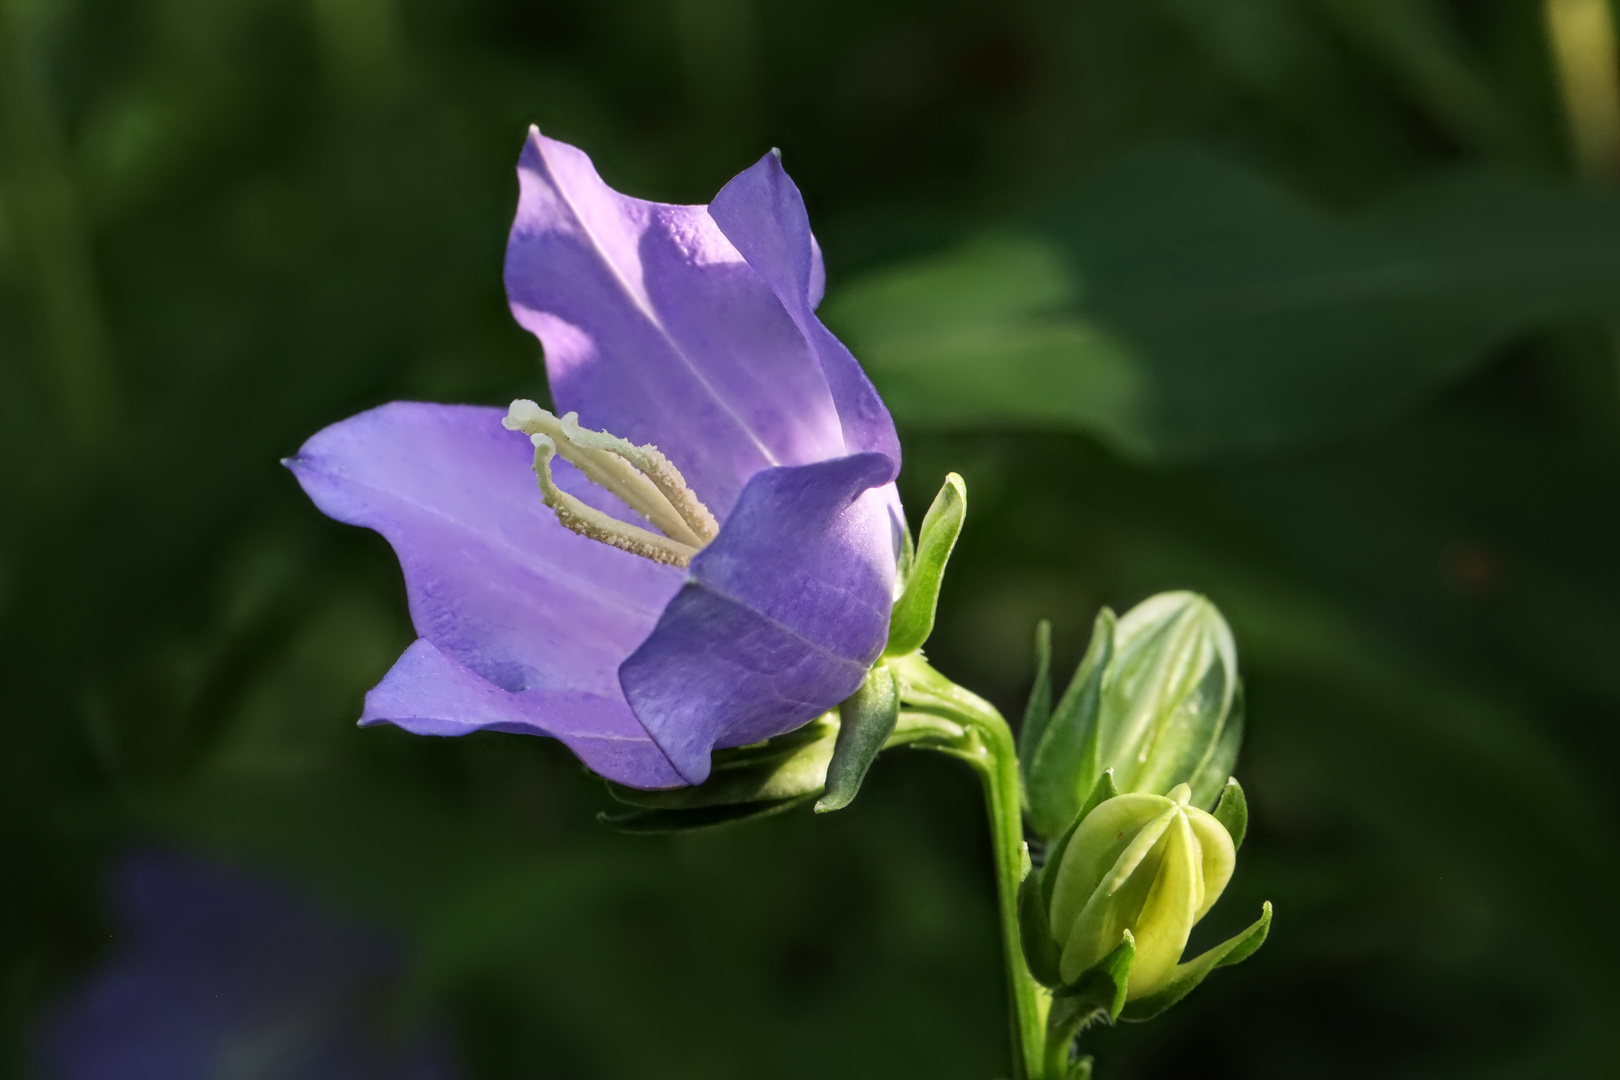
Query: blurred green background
[[1311, 305]]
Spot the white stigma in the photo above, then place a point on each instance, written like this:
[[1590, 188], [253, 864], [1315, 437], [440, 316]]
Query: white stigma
[[640, 476]]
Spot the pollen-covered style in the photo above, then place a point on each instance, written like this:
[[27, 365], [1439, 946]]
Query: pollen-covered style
[[708, 558]]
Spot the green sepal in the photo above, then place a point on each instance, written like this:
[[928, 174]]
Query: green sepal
[[905, 560], [761, 778], [1065, 764], [1097, 991], [648, 822], [866, 720], [789, 766], [1041, 952], [913, 617], [1233, 811], [1103, 790], [1209, 781], [1102, 986], [1234, 950], [1039, 710]]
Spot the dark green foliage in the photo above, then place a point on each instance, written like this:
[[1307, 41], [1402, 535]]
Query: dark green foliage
[[1317, 264], [1179, 306]]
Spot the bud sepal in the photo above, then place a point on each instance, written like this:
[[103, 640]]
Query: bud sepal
[[866, 720], [1097, 993], [1185, 979], [1059, 748], [1232, 811]]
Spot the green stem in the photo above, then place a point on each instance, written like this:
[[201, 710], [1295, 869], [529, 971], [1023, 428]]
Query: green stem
[[987, 744]]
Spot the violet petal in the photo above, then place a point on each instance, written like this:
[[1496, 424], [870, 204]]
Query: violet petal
[[762, 213], [657, 330], [781, 617], [428, 693], [493, 580]]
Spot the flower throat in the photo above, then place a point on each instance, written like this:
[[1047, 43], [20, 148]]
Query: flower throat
[[644, 479]]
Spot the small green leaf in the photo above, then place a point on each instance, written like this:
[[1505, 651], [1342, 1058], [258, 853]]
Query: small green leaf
[[1103, 790], [913, 617], [1103, 984], [1039, 709], [1035, 932], [906, 559], [1233, 812], [867, 720], [1064, 766], [1231, 951], [1099, 990], [653, 822]]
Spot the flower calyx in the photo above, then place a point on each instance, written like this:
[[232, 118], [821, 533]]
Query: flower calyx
[[784, 772], [640, 476]]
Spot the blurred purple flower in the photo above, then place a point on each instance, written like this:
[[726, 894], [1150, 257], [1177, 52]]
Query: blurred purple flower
[[692, 329], [220, 975]]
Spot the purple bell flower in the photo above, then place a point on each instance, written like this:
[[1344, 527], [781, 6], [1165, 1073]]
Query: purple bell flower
[[645, 606], [218, 974]]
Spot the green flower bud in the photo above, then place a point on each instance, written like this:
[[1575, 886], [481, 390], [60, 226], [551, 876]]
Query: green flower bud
[[1148, 864], [1156, 699], [1168, 698]]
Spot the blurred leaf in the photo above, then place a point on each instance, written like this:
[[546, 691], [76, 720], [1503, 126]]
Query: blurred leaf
[[1177, 305], [984, 335]]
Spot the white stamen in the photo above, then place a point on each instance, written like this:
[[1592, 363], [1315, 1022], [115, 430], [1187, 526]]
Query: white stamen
[[642, 477]]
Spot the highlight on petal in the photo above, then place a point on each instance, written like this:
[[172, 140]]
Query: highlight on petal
[[657, 329], [762, 213], [429, 693], [781, 617]]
